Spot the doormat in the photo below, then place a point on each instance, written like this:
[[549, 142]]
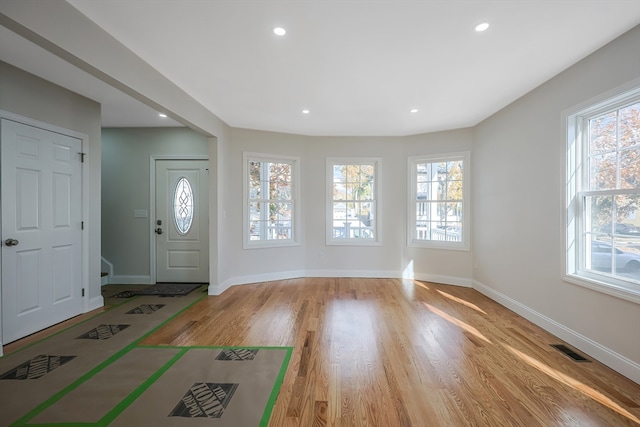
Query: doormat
[[161, 289], [112, 380]]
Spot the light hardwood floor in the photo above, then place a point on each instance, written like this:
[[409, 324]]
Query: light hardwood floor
[[387, 352], [394, 353]]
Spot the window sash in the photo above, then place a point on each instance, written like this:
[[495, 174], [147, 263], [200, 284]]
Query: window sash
[[353, 201], [589, 236], [270, 207], [438, 208]]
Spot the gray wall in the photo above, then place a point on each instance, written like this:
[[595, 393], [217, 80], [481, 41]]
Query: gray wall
[[126, 154], [390, 259], [518, 183], [29, 96]]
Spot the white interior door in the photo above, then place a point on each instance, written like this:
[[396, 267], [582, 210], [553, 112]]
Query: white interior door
[[41, 228], [182, 221]]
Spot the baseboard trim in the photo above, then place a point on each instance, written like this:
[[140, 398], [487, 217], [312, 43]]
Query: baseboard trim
[[445, 280], [254, 278], [615, 361], [295, 274], [131, 280], [371, 274]]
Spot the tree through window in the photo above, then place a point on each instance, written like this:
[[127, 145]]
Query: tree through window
[[353, 201], [271, 194], [438, 201], [603, 215]]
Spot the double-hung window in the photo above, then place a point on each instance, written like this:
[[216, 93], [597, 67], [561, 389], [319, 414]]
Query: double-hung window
[[439, 201], [271, 194], [353, 201], [603, 196]]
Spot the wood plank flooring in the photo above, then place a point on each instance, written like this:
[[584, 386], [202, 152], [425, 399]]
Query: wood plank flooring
[[394, 353], [388, 352]]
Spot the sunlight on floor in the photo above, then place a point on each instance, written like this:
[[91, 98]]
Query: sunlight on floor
[[461, 301], [473, 331], [420, 284], [573, 383]]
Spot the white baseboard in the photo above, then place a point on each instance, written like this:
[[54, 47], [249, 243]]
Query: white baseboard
[[131, 280], [445, 280], [254, 278], [284, 275], [383, 274], [104, 280], [615, 361]]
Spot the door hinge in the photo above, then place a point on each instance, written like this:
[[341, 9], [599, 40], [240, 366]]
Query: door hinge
[[82, 225], [82, 291], [82, 157]]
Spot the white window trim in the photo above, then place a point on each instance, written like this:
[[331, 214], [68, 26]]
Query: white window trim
[[377, 164], [465, 245], [573, 120], [295, 183]]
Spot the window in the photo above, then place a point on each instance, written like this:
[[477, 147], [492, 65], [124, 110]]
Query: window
[[438, 211], [603, 196], [271, 194], [353, 199], [183, 206]]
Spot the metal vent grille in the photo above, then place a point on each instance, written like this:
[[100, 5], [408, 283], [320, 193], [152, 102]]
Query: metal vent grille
[[570, 353]]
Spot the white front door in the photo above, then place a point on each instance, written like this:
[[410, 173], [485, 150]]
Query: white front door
[[41, 228], [182, 221]]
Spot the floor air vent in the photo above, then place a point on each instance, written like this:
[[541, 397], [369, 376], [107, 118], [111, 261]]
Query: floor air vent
[[570, 353]]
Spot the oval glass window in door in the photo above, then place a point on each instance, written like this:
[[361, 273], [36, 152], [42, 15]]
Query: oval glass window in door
[[183, 206]]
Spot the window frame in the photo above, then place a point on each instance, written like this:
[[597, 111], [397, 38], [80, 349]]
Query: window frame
[[248, 157], [412, 240], [376, 162], [576, 191]]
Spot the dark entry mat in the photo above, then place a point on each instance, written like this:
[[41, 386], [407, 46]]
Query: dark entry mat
[[161, 289]]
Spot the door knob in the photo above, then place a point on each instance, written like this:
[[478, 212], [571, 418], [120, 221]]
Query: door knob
[[158, 230], [11, 242]]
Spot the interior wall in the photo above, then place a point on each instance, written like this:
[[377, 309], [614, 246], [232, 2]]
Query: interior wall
[[126, 154], [518, 184], [30, 96], [313, 257]]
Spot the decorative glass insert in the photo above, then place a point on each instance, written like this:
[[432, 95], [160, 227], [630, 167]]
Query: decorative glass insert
[[183, 206]]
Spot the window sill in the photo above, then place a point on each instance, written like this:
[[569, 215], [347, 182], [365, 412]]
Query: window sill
[[438, 245], [269, 244], [352, 242], [627, 294]]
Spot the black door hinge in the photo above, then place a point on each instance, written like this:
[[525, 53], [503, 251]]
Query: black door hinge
[[82, 291], [82, 156]]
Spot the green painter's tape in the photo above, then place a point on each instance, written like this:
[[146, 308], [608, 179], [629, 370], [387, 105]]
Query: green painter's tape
[[139, 390], [56, 397]]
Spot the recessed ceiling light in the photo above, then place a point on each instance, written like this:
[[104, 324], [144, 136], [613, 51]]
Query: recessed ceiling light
[[163, 115], [413, 110], [482, 27], [305, 111], [279, 31]]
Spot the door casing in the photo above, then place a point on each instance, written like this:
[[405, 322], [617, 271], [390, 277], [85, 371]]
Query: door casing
[[152, 204], [84, 201]]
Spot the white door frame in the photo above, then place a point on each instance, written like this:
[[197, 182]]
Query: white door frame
[[84, 139], [152, 204]]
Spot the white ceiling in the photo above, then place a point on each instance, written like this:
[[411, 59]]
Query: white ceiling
[[359, 66]]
